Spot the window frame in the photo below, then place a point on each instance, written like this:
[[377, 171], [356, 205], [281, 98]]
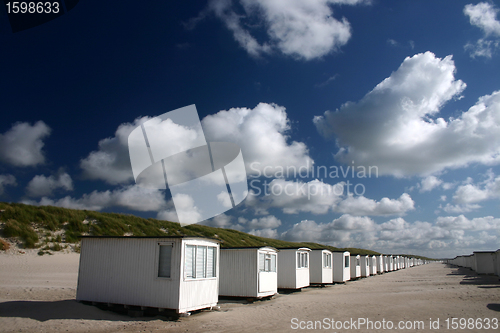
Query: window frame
[[157, 261], [195, 262]]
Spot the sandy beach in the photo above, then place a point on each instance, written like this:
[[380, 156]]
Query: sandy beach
[[38, 294]]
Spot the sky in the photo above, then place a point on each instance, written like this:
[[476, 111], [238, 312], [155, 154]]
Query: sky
[[370, 124]]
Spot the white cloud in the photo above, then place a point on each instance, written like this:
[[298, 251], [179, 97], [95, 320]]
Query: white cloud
[[130, 197], [316, 197], [267, 233], [6, 180], [396, 122], [301, 29], [22, 144], [293, 197], [111, 162], [41, 185], [483, 15], [445, 237], [429, 183], [262, 135], [473, 193], [460, 208], [363, 206], [266, 222]]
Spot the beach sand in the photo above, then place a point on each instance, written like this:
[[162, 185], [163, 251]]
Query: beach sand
[[37, 294]]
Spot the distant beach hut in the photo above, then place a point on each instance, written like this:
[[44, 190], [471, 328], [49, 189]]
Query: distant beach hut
[[469, 261], [355, 266], [341, 266], [248, 272], [380, 264], [179, 273], [321, 270], [365, 265], [386, 263], [497, 262], [373, 265], [390, 260], [395, 261], [483, 261], [293, 272]]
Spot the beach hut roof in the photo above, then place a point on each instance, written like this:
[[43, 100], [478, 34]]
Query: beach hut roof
[[295, 248]]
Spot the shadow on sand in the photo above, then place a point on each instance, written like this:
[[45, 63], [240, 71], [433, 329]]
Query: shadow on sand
[[67, 309]]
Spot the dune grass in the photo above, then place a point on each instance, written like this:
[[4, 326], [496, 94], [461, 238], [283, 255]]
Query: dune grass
[[21, 221]]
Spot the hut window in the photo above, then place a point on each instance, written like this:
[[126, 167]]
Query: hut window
[[267, 262], [302, 259], [200, 261], [327, 260], [357, 262], [164, 261], [346, 264]]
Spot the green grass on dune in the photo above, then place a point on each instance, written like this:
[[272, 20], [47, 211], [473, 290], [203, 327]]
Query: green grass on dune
[[21, 220]]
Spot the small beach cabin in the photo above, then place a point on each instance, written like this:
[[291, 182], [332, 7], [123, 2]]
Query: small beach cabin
[[178, 273], [386, 263], [483, 262], [341, 266], [365, 265], [248, 272], [293, 272], [373, 265], [380, 264], [496, 262], [321, 270], [355, 266], [390, 260]]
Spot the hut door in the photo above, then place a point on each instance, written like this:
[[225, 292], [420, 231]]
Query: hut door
[[268, 276]]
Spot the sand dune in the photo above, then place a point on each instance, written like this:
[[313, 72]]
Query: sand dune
[[37, 294]]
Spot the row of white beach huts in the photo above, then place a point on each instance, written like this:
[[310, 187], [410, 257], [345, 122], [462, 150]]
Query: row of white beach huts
[[482, 262], [190, 273]]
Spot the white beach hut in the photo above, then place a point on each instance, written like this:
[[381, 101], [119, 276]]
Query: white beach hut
[[355, 266], [483, 262], [380, 264], [373, 265], [179, 273], [341, 266], [497, 262], [321, 270], [248, 272], [386, 263], [365, 265], [390, 261], [293, 272]]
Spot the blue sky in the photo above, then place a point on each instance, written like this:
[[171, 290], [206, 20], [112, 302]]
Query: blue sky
[[409, 88]]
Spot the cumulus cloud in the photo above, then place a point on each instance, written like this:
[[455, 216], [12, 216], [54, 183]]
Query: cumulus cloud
[[474, 193], [131, 197], [300, 29], [316, 197], [395, 126], [22, 144], [429, 183], [262, 134], [41, 185], [483, 15], [363, 206], [443, 237], [295, 196], [6, 180], [267, 233], [266, 222], [111, 162]]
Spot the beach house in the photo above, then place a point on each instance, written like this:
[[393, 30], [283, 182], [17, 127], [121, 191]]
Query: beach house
[[248, 272], [365, 265], [178, 273], [293, 272], [321, 270], [483, 262], [341, 266], [355, 266]]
